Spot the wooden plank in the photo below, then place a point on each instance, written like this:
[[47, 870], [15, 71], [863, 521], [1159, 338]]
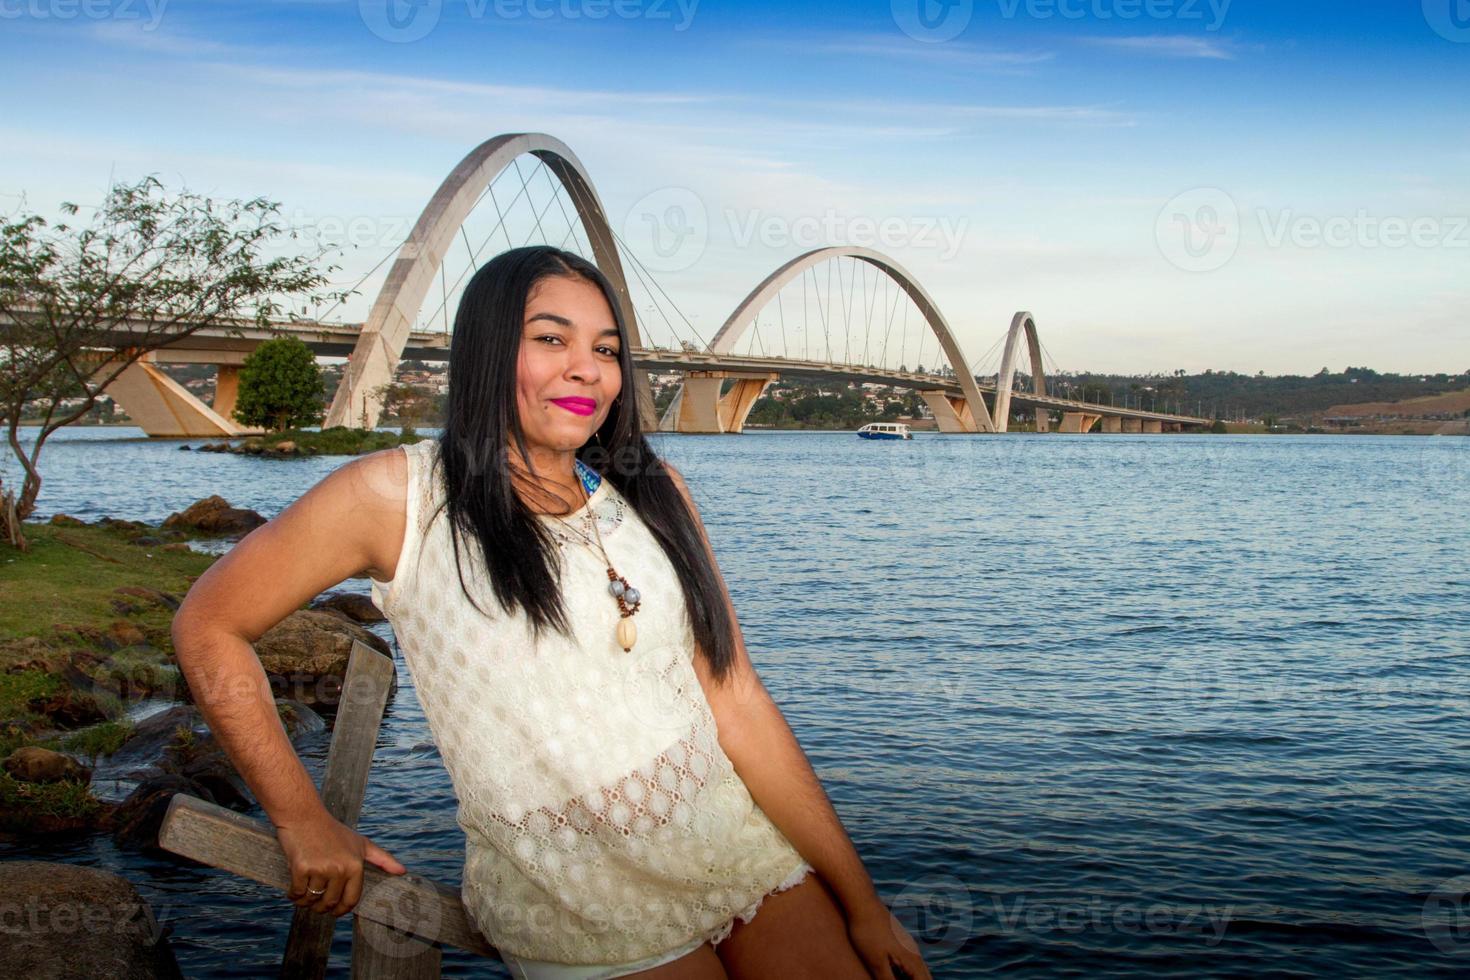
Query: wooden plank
[[222, 838], [344, 784], [381, 952]]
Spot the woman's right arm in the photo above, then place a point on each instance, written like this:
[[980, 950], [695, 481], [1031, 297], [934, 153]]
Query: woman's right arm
[[350, 523]]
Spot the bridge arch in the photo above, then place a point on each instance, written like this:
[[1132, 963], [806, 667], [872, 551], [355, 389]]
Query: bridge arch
[[375, 356], [740, 320], [1023, 322]]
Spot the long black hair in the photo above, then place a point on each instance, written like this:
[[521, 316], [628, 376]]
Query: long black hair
[[481, 422]]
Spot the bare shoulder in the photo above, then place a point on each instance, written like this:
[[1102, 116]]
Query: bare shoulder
[[352, 521], [362, 503], [380, 487]]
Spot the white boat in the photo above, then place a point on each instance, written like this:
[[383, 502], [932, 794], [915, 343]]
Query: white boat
[[884, 430]]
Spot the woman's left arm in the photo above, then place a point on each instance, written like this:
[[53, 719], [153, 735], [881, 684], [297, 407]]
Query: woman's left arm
[[756, 738]]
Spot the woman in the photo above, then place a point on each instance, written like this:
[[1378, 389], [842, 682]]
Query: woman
[[630, 794]]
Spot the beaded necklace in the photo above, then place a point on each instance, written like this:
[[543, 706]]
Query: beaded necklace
[[626, 596]]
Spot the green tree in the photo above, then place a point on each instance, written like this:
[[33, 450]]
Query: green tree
[[280, 386], [80, 304]]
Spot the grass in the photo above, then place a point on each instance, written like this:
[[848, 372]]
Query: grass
[[18, 689], [40, 807], [336, 441], [103, 738], [61, 581], [61, 608]]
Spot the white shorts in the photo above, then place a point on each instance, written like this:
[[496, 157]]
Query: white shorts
[[540, 970]]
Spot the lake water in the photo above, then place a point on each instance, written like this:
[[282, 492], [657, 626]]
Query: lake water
[[1088, 705]]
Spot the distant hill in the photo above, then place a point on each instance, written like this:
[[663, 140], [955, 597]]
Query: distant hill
[[1232, 395], [1450, 403]]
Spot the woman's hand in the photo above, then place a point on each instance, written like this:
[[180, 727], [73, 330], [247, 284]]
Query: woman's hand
[[885, 946], [326, 860]]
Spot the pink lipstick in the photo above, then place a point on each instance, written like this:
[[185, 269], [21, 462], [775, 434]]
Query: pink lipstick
[[578, 406]]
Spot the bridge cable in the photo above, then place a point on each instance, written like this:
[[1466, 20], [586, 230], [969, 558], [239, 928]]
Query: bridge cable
[[444, 305], [806, 334], [393, 251], [657, 285], [466, 239], [516, 162], [868, 313], [501, 224], [781, 311], [903, 343], [616, 246], [826, 332], [656, 305], [888, 331], [847, 307]]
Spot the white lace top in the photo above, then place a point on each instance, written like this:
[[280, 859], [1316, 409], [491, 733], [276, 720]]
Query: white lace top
[[603, 822]]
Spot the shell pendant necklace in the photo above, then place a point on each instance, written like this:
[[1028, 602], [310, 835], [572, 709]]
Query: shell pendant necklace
[[626, 596]]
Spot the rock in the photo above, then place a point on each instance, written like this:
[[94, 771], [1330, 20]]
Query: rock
[[149, 596], [69, 709], [184, 448], [168, 761], [132, 680], [25, 653], [305, 656], [214, 515], [66, 520], [285, 446], [118, 524], [355, 606], [138, 819], [153, 735], [69, 921], [146, 541], [24, 727], [89, 635], [177, 546], [298, 719], [122, 634], [33, 764]]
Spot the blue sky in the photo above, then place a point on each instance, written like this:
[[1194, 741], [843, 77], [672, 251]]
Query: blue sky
[[1166, 184]]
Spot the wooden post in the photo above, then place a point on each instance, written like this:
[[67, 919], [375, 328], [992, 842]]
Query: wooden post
[[400, 919], [354, 735], [220, 837]]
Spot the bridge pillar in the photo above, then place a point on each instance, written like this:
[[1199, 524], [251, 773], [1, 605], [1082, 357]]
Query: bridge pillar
[[1153, 425], [951, 413], [1076, 422], [1111, 423], [1132, 425], [160, 406], [699, 407], [1043, 420], [735, 404], [226, 390]]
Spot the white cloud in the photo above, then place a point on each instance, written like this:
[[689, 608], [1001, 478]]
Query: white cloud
[[1170, 46]]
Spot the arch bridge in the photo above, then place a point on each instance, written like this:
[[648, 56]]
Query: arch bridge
[[719, 387]]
